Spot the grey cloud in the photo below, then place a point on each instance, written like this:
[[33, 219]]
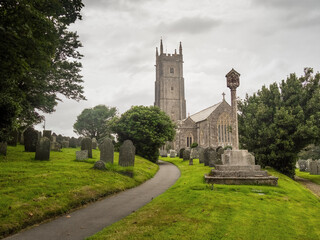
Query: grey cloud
[[288, 4], [191, 25]]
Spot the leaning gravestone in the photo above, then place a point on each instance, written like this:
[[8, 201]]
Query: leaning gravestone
[[126, 154], [43, 149], [173, 153], [3, 148], [30, 139], [94, 143], [211, 157], [99, 165], [186, 155], [73, 142], [47, 134], [86, 144], [201, 155], [106, 151], [82, 155]]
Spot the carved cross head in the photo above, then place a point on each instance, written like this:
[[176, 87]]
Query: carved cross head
[[233, 80]]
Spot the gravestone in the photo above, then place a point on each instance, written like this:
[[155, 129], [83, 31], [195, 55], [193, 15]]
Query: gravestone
[[99, 165], [211, 157], [126, 154], [201, 155], [86, 144], [191, 161], [302, 165], [47, 134], [73, 142], [106, 151], [65, 144], [30, 139], [59, 139], [181, 152], [13, 139], [43, 149], [219, 151], [308, 165], [163, 153], [94, 143], [186, 155], [3, 148], [55, 146], [82, 155], [315, 167], [173, 153], [194, 154]]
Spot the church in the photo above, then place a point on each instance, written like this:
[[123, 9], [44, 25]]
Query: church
[[211, 127]]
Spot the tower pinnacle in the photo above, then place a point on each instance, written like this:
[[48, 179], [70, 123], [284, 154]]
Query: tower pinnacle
[[161, 47], [180, 49]]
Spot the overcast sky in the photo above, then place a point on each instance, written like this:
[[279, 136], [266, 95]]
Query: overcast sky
[[264, 40]]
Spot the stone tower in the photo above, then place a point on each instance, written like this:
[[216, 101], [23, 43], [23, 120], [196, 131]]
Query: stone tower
[[233, 82], [169, 85]]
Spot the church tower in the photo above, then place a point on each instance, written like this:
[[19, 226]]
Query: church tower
[[169, 85]]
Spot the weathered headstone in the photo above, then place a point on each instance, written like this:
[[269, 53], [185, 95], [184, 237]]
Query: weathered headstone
[[73, 142], [201, 155], [106, 151], [191, 161], [219, 151], [99, 165], [47, 134], [126, 154], [94, 143], [65, 144], [86, 144], [30, 139], [163, 153], [13, 139], [186, 155], [194, 153], [43, 149], [211, 157], [181, 152], [315, 167], [302, 165], [3, 148], [55, 146], [82, 155], [173, 153]]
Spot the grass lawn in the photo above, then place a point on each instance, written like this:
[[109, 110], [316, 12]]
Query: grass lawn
[[306, 175], [191, 210], [32, 191]]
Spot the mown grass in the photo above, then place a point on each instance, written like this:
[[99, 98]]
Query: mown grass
[[306, 175], [32, 191], [191, 210]]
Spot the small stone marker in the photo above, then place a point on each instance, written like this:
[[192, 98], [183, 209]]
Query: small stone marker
[[65, 144], [3, 148], [126, 154], [94, 143], [82, 155], [106, 151], [163, 153], [99, 165], [43, 149], [30, 139], [73, 142], [86, 144], [302, 165], [186, 155], [173, 153]]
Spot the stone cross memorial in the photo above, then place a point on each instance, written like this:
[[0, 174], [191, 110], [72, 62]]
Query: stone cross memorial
[[126, 154]]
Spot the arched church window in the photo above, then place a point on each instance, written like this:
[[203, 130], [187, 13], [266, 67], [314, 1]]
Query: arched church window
[[202, 140], [224, 129], [171, 70], [189, 140]]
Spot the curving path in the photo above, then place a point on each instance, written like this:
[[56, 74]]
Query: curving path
[[96, 216], [313, 187]]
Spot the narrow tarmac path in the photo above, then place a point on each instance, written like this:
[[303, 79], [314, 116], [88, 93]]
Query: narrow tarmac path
[[87, 221], [313, 187]]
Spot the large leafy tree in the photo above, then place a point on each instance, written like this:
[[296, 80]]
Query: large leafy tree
[[277, 122], [93, 122], [38, 59], [147, 127]]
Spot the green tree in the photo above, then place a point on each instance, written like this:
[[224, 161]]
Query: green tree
[[93, 122], [277, 122], [38, 59], [147, 127]]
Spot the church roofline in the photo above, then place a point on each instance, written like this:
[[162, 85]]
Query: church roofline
[[205, 113]]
